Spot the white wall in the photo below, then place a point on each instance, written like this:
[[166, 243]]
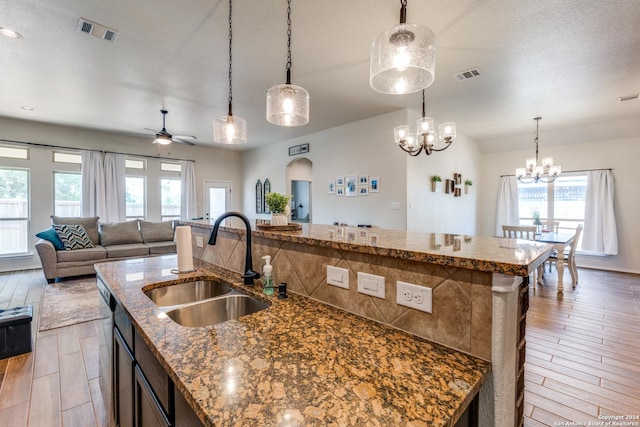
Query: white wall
[[210, 163], [621, 155], [365, 147], [441, 212]]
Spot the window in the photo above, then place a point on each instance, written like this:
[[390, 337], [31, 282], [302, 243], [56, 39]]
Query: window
[[170, 190], [135, 197], [66, 157], [14, 211], [14, 153], [172, 167], [134, 164], [562, 200], [67, 194]]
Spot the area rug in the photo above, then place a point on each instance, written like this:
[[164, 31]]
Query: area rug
[[70, 302]]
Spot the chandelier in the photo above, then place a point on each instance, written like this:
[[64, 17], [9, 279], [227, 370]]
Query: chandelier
[[287, 104], [534, 172], [403, 57], [425, 137], [230, 129]]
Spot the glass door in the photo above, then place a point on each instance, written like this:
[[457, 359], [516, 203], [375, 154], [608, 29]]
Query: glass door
[[217, 198]]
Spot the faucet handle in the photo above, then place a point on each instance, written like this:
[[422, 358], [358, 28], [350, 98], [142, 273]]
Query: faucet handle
[[249, 276]]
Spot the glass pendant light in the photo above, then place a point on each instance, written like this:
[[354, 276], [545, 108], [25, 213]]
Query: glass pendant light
[[287, 104], [403, 57], [230, 129]]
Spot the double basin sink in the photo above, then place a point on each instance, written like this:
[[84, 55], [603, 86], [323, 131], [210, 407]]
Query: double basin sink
[[203, 302]]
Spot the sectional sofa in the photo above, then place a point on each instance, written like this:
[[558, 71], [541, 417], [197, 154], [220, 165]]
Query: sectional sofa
[[62, 257]]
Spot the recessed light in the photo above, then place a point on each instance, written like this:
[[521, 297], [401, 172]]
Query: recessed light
[[26, 107], [9, 33]]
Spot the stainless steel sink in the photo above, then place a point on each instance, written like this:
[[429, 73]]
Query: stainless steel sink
[[187, 292], [216, 310]]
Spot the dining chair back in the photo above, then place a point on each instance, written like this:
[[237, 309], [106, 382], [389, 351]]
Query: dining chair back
[[569, 256], [553, 226], [527, 232]]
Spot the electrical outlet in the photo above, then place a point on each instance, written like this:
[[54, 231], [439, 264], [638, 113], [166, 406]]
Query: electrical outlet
[[337, 276], [200, 241], [370, 284], [414, 296]]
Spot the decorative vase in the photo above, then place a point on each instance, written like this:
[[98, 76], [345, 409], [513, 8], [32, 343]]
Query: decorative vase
[[278, 219], [287, 212], [435, 186], [466, 189]]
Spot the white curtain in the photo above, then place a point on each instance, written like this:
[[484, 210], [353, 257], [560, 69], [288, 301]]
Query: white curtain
[[93, 186], [115, 187], [507, 205], [600, 235], [188, 206]]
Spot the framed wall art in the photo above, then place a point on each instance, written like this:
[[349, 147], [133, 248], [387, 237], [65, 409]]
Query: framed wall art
[[374, 184], [331, 187], [351, 186]]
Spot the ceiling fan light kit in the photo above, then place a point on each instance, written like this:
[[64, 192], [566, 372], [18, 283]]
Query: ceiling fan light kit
[[403, 58], [288, 104], [165, 138], [230, 129]]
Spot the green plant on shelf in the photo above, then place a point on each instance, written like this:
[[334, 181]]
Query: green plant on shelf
[[277, 202], [468, 182], [436, 178]]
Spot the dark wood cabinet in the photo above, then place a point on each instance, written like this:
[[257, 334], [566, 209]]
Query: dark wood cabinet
[[123, 371], [148, 412]]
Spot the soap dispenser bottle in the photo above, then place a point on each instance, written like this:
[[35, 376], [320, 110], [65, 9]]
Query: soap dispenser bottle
[[267, 279]]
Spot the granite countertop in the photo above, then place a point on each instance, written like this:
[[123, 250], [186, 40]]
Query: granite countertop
[[483, 253], [299, 362]]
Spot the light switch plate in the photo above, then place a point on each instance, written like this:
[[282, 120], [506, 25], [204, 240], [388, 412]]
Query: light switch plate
[[414, 296], [337, 276], [370, 284]]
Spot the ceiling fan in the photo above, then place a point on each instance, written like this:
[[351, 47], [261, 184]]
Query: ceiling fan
[[165, 138]]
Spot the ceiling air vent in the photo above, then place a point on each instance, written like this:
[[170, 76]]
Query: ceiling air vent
[[97, 30], [474, 72]]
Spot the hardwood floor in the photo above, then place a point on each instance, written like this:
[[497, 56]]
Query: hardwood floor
[[583, 356], [583, 350], [57, 383]]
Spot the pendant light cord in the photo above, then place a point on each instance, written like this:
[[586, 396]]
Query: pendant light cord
[[424, 114], [403, 11], [288, 42], [230, 43]]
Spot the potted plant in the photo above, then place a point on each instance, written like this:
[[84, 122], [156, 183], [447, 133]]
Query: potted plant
[[278, 204], [468, 183], [435, 179], [535, 215]]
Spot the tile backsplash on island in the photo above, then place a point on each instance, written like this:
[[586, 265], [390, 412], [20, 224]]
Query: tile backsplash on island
[[462, 299]]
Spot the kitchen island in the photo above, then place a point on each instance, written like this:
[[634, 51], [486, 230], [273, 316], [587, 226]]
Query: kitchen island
[[479, 288], [299, 362]]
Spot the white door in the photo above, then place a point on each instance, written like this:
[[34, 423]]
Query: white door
[[217, 198]]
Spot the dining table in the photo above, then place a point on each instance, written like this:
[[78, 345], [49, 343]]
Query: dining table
[[559, 241]]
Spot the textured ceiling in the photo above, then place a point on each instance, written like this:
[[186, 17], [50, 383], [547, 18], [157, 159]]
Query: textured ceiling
[[564, 60]]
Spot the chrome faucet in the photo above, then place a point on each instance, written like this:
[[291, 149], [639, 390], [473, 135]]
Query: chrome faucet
[[249, 274]]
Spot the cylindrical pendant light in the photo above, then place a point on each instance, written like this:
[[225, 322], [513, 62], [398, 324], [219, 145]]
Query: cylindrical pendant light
[[287, 104], [230, 129], [403, 57]]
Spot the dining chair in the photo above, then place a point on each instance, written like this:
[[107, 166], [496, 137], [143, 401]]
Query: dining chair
[[552, 226], [527, 232], [569, 257]]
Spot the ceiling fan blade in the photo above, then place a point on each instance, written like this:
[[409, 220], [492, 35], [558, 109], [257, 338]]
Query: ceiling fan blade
[[152, 130], [182, 141], [185, 136]]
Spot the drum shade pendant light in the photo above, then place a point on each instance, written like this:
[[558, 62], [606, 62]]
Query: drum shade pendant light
[[287, 104], [403, 58], [230, 129], [425, 136]]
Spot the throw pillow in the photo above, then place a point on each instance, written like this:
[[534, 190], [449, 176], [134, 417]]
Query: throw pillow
[[90, 225], [120, 233], [73, 236], [156, 231], [51, 235]]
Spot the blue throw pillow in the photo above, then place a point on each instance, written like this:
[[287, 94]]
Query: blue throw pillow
[[51, 235]]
